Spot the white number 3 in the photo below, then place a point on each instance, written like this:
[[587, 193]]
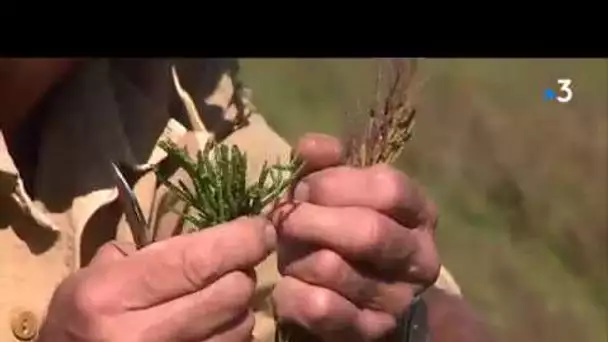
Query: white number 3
[[565, 88]]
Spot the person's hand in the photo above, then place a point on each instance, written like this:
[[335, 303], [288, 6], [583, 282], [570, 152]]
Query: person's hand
[[195, 287], [356, 245]]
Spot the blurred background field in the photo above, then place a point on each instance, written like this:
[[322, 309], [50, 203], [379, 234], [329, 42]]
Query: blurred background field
[[521, 183]]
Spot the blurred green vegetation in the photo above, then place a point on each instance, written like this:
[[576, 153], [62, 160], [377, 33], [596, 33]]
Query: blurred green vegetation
[[520, 182]]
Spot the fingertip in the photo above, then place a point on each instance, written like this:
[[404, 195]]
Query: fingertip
[[271, 236], [112, 251], [267, 229], [319, 150]]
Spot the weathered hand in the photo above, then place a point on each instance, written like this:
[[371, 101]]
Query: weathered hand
[[355, 247], [195, 287]]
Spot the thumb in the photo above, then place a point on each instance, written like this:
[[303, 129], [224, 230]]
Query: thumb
[[112, 251]]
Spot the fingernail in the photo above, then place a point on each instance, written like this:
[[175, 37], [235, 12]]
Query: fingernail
[[271, 235], [301, 192]]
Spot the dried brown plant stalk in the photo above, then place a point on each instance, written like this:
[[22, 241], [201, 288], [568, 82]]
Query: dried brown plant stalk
[[376, 136], [390, 119]]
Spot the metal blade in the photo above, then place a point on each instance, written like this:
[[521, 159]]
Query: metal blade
[[133, 212]]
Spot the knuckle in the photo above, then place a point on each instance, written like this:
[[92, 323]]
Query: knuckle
[[328, 268], [426, 265], [79, 303], [389, 185], [192, 270], [87, 299], [317, 307], [240, 288], [373, 235], [252, 236], [324, 182], [236, 246]]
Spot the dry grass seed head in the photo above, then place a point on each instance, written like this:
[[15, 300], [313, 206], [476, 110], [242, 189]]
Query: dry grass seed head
[[388, 123]]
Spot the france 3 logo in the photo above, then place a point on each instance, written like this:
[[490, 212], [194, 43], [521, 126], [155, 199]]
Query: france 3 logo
[[564, 93]]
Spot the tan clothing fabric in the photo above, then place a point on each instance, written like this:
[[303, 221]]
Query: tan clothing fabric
[[57, 194]]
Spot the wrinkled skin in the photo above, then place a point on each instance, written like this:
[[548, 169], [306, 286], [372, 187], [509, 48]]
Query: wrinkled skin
[[188, 288], [355, 246]]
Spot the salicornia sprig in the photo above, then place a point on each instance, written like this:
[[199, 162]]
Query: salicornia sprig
[[219, 191]]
